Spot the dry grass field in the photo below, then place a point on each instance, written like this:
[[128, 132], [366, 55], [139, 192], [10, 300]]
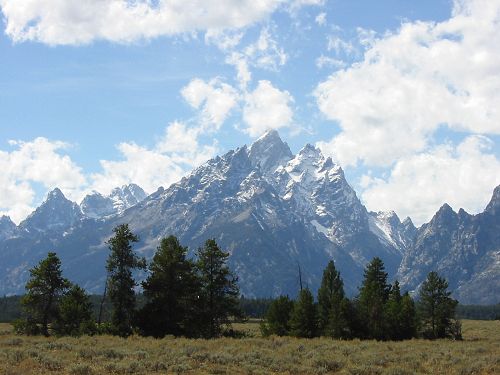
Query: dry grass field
[[479, 353]]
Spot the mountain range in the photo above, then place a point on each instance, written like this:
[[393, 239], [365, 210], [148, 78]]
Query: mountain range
[[275, 213]]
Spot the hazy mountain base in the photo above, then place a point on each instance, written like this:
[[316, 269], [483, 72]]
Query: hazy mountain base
[[477, 354]]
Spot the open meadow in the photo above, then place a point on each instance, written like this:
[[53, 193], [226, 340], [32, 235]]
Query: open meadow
[[478, 353]]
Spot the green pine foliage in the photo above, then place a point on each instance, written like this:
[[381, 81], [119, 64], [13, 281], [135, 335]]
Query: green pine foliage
[[277, 319], [373, 295], [122, 261], [333, 307], [437, 309], [303, 322], [199, 298], [172, 290], [44, 289], [75, 314], [219, 290], [394, 314], [409, 321]]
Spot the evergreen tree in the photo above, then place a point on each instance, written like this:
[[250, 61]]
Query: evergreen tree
[[121, 262], [332, 304], [277, 319], [394, 314], [75, 314], [303, 322], [409, 320], [437, 308], [43, 291], [171, 290], [219, 290], [373, 295]]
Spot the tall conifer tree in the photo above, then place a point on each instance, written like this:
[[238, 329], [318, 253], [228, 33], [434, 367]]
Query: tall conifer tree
[[172, 290], [43, 292], [332, 304], [436, 308], [303, 322], [219, 290], [373, 295], [121, 263]]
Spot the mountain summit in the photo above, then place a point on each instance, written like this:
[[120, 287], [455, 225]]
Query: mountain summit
[[273, 211]]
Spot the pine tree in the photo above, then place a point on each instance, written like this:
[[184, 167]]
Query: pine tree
[[373, 295], [44, 289], [172, 290], [408, 318], [219, 290], [393, 313], [277, 319], [121, 263], [303, 322], [332, 304], [437, 308], [75, 314]]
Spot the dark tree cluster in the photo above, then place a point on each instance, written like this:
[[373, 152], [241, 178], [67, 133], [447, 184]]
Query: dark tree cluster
[[378, 312], [183, 297], [51, 300]]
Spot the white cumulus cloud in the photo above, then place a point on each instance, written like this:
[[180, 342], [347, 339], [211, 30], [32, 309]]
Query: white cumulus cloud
[[215, 99], [413, 81], [84, 21], [462, 176], [42, 162], [267, 108], [174, 154]]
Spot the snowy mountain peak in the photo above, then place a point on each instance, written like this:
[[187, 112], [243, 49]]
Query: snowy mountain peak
[[127, 196], [96, 206], [55, 213], [55, 194], [388, 228], [269, 152], [444, 217], [408, 222], [310, 151]]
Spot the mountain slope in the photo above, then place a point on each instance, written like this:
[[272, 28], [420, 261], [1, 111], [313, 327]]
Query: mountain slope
[[274, 212], [463, 248]]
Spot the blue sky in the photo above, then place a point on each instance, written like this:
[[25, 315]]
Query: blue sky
[[403, 94]]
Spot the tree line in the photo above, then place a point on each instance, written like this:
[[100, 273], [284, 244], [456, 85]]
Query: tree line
[[380, 311], [182, 297], [197, 298]]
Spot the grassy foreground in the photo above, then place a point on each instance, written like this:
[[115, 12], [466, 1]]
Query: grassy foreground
[[479, 353]]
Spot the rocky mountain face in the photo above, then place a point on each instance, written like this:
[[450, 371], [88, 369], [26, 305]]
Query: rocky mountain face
[[56, 214], [7, 228], [272, 210], [97, 206], [463, 248]]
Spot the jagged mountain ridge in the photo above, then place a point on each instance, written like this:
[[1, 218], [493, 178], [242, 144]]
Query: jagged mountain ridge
[[270, 209], [96, 206], [462, 247]]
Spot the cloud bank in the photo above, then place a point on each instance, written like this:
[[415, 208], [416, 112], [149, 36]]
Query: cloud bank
[[62, 22], [411, 83]]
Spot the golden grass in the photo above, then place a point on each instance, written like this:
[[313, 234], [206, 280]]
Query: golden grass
[[479, 353]]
